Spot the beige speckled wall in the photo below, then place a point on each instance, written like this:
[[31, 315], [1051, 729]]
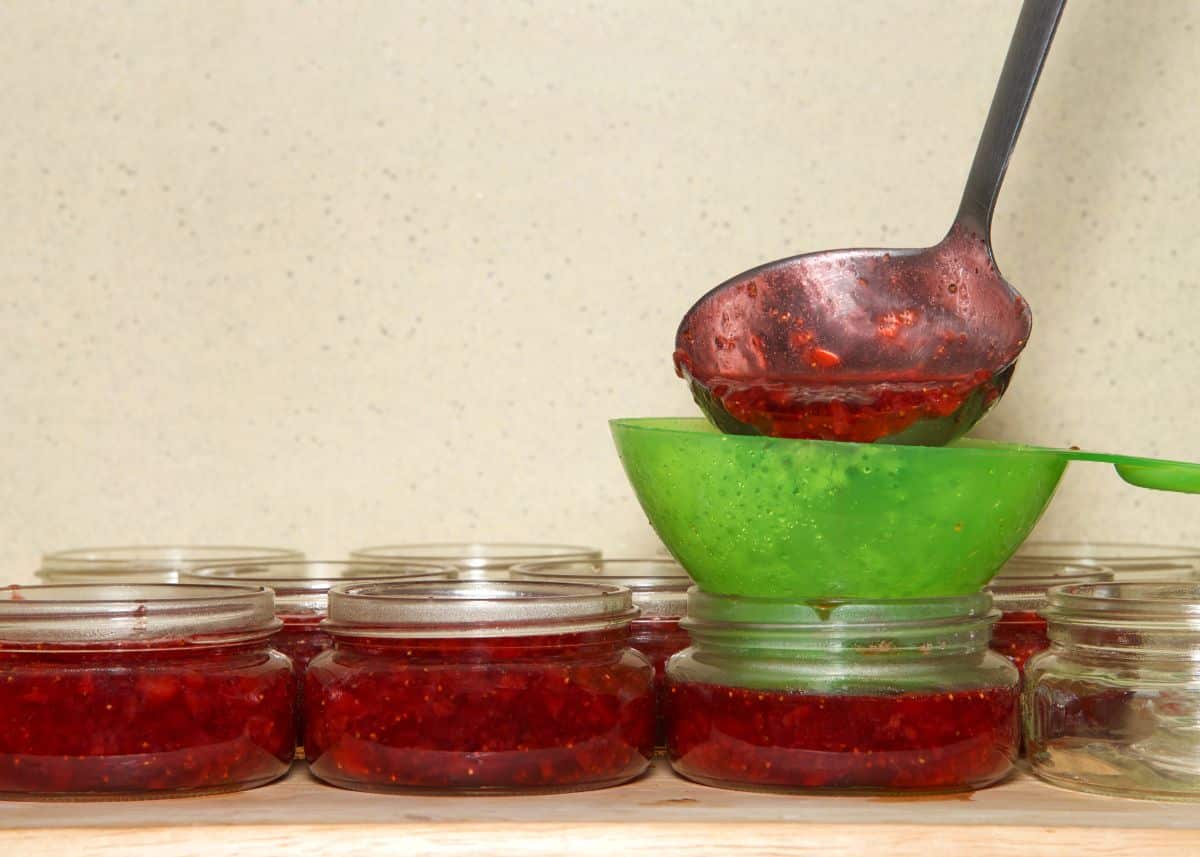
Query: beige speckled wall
[[321, 274]]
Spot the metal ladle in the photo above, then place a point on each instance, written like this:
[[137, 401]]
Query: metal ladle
[[901, 346]]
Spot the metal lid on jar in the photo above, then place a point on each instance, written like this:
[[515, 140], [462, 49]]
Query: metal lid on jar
[[659, 585], [475, 608], [175, 615], [148, 563], [305, 584], [477, 556], [1125, 559]]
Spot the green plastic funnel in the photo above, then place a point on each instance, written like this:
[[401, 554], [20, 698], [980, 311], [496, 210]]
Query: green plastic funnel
[[774, 517]]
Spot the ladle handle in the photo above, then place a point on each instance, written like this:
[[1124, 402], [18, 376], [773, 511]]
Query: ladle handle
[[1022, 67]]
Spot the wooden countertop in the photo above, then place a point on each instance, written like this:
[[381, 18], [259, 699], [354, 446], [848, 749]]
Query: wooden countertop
[[298, 815]]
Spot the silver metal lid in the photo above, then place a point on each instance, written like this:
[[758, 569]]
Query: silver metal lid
[[148, 563], [474, 555], [173, 613], [659, 585], [477, 608]]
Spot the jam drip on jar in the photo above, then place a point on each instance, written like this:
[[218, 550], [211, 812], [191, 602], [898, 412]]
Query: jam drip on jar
[[138, 720], [927, 742], [538, 713]]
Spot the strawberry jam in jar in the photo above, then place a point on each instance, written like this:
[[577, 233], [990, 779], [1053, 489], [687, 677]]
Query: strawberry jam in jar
[[481, 686], [841, 696], [149, 563], [659, 588], [302, 594], [1019, 593], [141, 690]]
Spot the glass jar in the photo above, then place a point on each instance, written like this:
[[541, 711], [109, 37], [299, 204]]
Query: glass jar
[[1127, 561], [302, 594], [148, 563], [479, 686], [1114, 705], [147, 690], [659, 588], [476, 560], [1019, 592], [850, 696]]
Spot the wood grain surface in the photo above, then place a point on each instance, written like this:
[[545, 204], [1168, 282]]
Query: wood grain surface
[[300, 816]]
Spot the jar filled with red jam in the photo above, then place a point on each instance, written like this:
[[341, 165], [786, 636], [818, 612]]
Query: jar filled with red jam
[[659, 588], [482, 686], [841, 696], [302, 594], [149, 563], [1019, 593], [1113, 706], [141, 690], [477, 560]]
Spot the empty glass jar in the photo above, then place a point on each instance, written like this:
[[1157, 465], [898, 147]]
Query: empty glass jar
[[1128, 561], [1114, 705], [148, 563], [476, 559]]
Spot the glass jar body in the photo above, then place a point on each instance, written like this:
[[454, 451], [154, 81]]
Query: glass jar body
[[143, 720], [1114, 722], [513, 714], [841, 721]]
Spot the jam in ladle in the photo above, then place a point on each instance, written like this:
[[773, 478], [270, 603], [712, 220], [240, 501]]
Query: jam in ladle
[[901, 346]]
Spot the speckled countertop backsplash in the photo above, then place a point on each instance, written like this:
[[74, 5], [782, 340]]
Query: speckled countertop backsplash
[[285, 273]]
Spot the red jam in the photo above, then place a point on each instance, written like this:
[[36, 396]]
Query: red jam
[[503, 714], [144, 720], [658, 638], [861, 413], [1019, 635], [745, 738]]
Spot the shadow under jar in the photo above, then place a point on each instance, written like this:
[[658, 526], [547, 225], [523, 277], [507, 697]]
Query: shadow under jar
[[1019, 593], [149, 563], [1114, 705], [659, 588], [883, 697], [139, 691], [479, 687], [476, 560]]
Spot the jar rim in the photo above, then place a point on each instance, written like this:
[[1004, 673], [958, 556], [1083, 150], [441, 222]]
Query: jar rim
[[115, 560], [1022, 575], [478, 555], [1161, 604], [90, 613], [1112, 554], [310, 577], [483, 608], [646, 574], [824, 615]]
